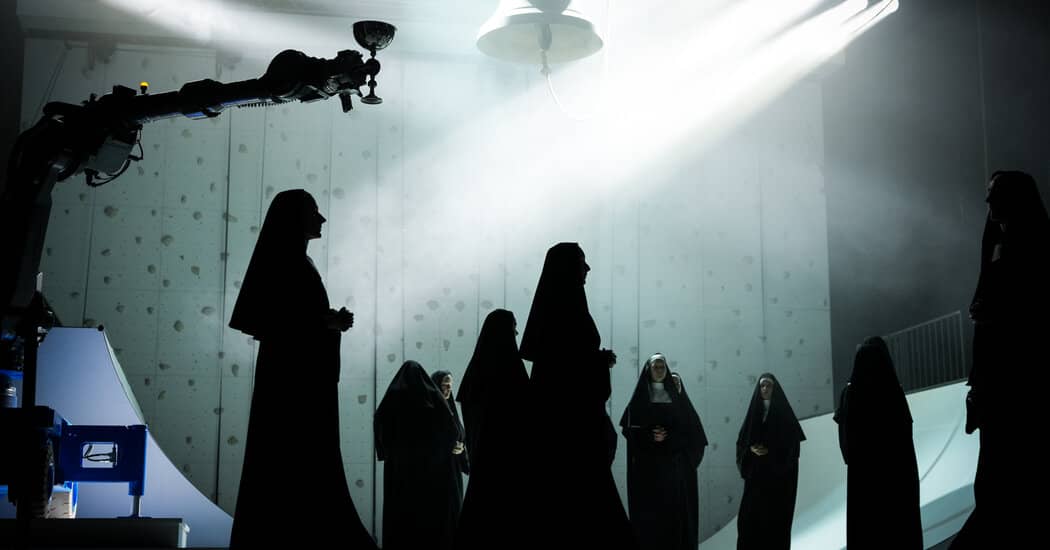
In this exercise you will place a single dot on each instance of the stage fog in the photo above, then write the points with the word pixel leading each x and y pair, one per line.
pixel 687 160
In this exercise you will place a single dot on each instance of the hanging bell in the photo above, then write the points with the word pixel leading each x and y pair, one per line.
pixel 522 31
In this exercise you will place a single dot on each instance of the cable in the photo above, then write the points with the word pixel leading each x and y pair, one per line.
pixel 546 71
pixel 944 449
pixel 54 78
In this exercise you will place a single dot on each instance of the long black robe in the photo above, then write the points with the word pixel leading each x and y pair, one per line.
pixel 662 490
pixel 291 499
pixel 875 436
pixel 415 433
pixel 573 496
pixel 1009 310
pixel 463 459
pixel 767 508
pixel 493 396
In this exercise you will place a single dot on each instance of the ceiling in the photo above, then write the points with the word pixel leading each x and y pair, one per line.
pixel 447 27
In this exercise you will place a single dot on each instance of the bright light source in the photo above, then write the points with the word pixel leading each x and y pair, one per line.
pixel 674 73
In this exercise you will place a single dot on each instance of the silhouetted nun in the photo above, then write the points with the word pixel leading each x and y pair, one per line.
pixel 443 380
pixel 767 451
pixel 1011 325
pixel 417 439
pixel 574 497
pixel 665 444
pixel 493 394
pixel 301 498
pixel 875 435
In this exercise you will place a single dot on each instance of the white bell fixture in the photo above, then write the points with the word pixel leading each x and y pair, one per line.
pixel 539 32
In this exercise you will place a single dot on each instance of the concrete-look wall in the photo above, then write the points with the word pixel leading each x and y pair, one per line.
pixel 721 265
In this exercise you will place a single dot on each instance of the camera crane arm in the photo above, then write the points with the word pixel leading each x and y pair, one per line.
pixel 97 139
pixel 98 136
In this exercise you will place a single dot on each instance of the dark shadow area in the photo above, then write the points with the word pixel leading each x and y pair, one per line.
pixel 927 106
pixel 12 48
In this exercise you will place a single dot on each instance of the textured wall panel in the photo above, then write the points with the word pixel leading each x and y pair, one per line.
pixel 441 205
pixel 233 428
pixel 126 248
pixel 66 254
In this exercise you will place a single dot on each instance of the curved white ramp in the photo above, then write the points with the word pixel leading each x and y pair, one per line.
pixel 80 378
pixel 947 460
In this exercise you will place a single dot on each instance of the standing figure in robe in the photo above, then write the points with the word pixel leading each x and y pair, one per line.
pixel 1011 324
pixel 494 394
pixel 443 380
pixel 419 443
pixel 298 499
pixel 573 498
pixel 767 451
pixel 665 444
pixel 875 436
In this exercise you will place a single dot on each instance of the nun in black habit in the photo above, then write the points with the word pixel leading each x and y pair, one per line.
pixel 419 442
pixel 300 499
pixel 875 435
pixel 443 380
pixel 767 451
pixel 493 396
pixel 1011 325
pixel 574 498
pixel 665 444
